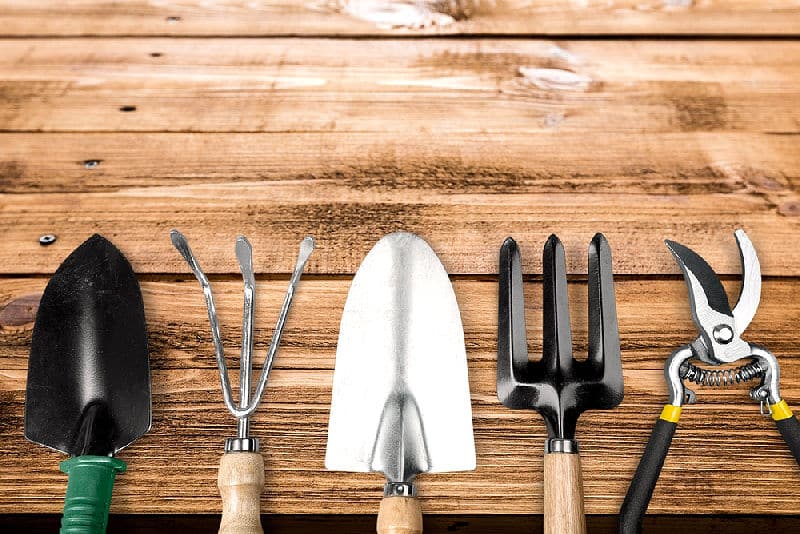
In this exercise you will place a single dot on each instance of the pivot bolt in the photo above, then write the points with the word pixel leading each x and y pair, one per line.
pixel 723 334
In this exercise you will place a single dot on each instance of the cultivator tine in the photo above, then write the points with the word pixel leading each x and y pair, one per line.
pixel 557 341
pixel 603 329
pixel 512 342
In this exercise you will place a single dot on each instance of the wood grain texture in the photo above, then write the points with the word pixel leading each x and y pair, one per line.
pixel 431 87
pixel 465 226
pixel 399 515
pixel 462 141
pixel 241 481
pixel 737 459
pixel 391 17
pixel 563 494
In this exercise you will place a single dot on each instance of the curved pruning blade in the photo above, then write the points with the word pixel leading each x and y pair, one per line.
pixel 750 293
pixel 705 290
pixel 721 341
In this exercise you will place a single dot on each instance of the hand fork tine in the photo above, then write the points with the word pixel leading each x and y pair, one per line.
pixel 557 342
pixel 604 350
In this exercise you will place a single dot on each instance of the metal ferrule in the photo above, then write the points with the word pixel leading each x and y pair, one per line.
pixel 399 489
pixel 561 446
pixel 241 445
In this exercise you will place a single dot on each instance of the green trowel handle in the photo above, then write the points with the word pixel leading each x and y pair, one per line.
pixel 91 479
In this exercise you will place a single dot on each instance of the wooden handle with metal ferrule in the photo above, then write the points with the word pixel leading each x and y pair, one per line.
pixel 400 515
pixel 240 481
pixel 563 494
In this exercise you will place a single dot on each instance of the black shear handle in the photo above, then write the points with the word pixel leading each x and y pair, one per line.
pixel 644 481
pixel 790 430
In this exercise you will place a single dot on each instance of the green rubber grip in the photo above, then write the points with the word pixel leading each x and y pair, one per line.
pixel 91 479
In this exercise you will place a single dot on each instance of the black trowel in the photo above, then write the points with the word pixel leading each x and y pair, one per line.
pixel 88 392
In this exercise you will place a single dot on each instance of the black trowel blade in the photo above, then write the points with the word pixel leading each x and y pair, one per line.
pixel 89 371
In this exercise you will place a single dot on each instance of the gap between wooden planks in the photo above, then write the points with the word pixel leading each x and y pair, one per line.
pixel 392 17
pixel 721 442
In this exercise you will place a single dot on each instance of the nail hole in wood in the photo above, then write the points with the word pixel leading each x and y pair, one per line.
pixel 173 20
pixel 127 109
pixel 91 163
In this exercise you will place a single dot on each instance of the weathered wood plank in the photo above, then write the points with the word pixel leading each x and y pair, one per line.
pixel 392 17
pixel 464 205
pixel 423 86
pixel 723 439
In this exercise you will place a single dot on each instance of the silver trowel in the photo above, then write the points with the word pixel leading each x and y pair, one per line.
pixel 401 403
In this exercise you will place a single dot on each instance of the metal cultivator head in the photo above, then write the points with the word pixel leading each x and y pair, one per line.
pixel 247 402
pixel 558 386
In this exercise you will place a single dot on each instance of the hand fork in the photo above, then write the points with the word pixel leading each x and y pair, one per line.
pixel 559 387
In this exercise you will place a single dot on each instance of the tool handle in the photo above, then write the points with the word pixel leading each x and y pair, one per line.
pixel 400 515
pixel 644 481
pixel 240 481
pixel 789 427
pixel 563 494
pixel 89 485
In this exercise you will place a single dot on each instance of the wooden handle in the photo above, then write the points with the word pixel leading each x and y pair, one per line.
pixel 399 515
pixel 240 481
pixel 563 494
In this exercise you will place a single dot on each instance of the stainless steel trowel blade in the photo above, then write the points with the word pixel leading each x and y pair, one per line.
pixel 401 401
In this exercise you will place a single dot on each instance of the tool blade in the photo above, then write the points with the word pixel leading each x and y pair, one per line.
pixel 705 288
pixel 88 389
pixel 750 293
pixel 401 401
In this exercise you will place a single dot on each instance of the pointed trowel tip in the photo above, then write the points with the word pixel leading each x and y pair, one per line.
pixel 97 241
pixel 96 260
pixel 97 248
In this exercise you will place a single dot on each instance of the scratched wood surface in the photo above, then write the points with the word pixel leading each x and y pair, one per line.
pixel 393 17
pixel 279 119
pixel 721 442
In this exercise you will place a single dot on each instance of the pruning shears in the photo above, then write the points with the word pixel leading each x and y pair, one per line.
pixel 719 343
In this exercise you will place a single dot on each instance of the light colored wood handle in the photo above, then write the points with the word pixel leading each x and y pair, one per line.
pixel 399 515
pixel 563 494
pixel 240 481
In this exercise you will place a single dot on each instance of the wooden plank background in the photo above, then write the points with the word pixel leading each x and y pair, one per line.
pixel 281 119
pixel 390 17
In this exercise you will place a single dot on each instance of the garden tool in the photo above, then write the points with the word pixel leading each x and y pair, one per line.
pixel 559 387
pixel 401 401
pixel 88 392
pixel 241 469
pixel 719 343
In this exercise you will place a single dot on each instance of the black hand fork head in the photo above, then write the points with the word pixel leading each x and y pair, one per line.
pixel 559 387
